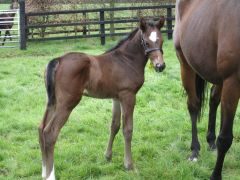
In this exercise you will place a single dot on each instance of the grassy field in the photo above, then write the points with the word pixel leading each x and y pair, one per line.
pixel 162 130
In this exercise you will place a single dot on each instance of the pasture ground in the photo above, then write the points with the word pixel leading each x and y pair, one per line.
pixel 162 130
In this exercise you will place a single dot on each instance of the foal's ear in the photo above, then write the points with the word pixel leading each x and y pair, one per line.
pixel 143 24
pixel 160 23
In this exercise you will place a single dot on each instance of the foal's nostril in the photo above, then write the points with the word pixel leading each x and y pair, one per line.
pixel 160 67
pixel 163 66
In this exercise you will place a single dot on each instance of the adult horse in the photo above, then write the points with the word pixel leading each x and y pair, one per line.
pixel 207 42
pixel 116 74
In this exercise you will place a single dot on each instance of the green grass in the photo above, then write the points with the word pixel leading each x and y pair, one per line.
pixel 162 130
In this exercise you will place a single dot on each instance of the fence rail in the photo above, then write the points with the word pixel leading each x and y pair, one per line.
pixel 102 21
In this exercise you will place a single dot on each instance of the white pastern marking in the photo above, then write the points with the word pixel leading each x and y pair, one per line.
pixel 44 171
pixel 193 160
pixel 153 36
pixel 52 175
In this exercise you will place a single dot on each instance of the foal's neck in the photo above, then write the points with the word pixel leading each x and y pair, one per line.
pixel 134 51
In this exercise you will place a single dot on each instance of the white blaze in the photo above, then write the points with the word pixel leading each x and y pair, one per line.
pixel 153 36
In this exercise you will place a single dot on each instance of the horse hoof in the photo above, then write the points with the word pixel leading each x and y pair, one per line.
pixel 108 157
pixel 194 156
pixel 215 177
pixel 128 167
pixel 193 159
pixel 212 147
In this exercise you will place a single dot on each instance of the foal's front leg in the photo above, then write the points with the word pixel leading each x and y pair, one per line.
pixel 116 117
pixel 127 102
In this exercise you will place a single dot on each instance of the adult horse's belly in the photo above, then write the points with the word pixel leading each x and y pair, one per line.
pixel 203 61
pixel 199 45
pixel 210 39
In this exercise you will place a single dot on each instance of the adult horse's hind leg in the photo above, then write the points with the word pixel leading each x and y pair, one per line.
pixel 229 102
pixel 5 37
pixel 116 117
pixel 213 105
pixel 10 36
pixel 127 100
pixel 189 83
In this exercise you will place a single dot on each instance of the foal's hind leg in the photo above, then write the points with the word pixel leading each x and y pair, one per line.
pixel 50 128
pixel 116 117
pixel 213 105
pixel 48 114
pixel 188 79
pixel 50 134
pixel 229 102
pixel 68 96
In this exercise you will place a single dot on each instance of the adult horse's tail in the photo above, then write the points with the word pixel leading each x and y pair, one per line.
pixel 50 81
pixel 200 85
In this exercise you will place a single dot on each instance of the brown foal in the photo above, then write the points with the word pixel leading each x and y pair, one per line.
pixel 207 52
pixel 116 74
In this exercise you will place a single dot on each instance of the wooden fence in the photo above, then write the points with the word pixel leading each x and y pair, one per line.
pixel 101 22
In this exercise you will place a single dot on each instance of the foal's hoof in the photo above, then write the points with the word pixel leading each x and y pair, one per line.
pixel 128 167
pixel 108 157
pixel 193 157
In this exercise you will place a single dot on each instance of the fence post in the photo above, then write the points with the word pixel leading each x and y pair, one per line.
pixel 22 24
pixel 84 26
pixel 169 23
pixel 102 27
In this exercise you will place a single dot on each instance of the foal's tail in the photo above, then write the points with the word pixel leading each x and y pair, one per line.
pixel 200 85
pixel 50 81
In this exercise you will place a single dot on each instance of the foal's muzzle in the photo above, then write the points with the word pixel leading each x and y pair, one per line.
pixel 159 67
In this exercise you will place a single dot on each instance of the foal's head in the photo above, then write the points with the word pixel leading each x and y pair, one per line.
pixel 152 42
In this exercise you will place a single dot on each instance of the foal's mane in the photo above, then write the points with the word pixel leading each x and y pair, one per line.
pixel 150 23
pixel 122 41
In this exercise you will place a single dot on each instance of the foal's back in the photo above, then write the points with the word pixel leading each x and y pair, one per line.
pixel 102 76
pixel 208 31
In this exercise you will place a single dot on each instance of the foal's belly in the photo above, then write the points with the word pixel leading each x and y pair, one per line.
pixel 99 93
